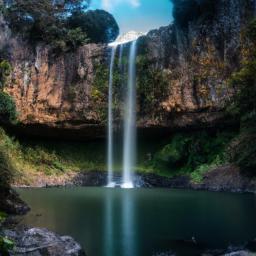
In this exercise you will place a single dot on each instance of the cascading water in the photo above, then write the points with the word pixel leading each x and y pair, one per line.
pixel 129 147
pixel 130 122
pixel 110 119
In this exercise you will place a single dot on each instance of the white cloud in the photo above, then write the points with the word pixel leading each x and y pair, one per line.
pixel 135 3
pixel 109 5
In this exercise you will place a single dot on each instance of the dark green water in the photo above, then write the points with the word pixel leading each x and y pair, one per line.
pixel 115 222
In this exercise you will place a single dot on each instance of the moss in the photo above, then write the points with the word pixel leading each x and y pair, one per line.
pixel 99 91
pixel 152 88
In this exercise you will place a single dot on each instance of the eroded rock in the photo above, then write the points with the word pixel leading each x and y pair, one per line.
pixel 40 242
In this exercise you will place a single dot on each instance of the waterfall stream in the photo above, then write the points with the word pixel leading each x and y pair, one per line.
pixel 110 119
pixel 129 139
pixel 129 150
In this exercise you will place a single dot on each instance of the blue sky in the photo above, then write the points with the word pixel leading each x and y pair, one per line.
pixel 138 15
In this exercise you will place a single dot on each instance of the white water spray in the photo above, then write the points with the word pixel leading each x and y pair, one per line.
pixel 130 122
pixel 110 119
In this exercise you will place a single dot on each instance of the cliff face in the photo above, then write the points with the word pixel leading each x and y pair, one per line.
pixel 199 53
pixel 196 54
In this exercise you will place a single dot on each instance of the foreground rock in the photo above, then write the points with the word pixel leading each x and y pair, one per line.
pixel 37 242
pixel 192 247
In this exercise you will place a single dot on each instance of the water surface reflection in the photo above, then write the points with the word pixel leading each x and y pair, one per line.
pixel 135 222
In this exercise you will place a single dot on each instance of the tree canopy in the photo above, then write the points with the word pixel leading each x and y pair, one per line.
pixel 65 24
pixel 100 26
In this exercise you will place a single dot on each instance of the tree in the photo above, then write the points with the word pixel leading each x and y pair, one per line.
pixel 64 24
pixel 45 20
pixel 100 26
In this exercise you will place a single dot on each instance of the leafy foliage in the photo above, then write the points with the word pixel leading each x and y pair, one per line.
pixel 243 150
pixel 100 26
pixel 6 168
pixel 8 112
pixel 5 245
pixel 152 87
pixel 63 24
pixel 193 153
pixel 5 70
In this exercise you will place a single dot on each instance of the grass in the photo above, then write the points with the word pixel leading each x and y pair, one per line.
pixel 181 154
pixel 30 158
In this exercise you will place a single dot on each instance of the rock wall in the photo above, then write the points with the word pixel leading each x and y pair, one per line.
pixel 196 55
pixel 53 89
pixel 199 53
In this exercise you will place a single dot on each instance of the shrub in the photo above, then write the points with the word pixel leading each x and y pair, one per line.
pixel 5 70
pixel 189 152
pixel 152 88
pixel 8 112
pixel 6 245
pixel 6 168
pixel 242 150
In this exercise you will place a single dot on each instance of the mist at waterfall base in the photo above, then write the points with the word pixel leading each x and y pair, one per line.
pixel 129 135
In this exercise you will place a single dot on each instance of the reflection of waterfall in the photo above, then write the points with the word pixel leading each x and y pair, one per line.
pixel 109 228
pixel 130 121
pixel 110 119
pixel 128 215
pixel 119 232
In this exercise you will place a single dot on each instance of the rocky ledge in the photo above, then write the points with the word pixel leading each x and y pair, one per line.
pixel 39 242
pixel 228 178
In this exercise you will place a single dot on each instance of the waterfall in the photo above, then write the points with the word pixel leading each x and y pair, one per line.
pixel 129 140
pixel 110 119
pixel 120 56
pixel 129 150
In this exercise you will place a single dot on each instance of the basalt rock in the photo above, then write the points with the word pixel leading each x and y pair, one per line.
pixel 39 242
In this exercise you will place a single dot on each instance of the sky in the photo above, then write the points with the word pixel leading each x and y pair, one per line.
pixel 138 15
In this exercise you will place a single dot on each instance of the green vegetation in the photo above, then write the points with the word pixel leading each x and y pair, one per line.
pixel 99 25
pixel 30 159
pixel 65 25
pixel 192 154
pixel 5 243
pixel 8 112
pixel 5 70
pixel 152 87
pixel 6 168
pixel 242 150
pixel 100 90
